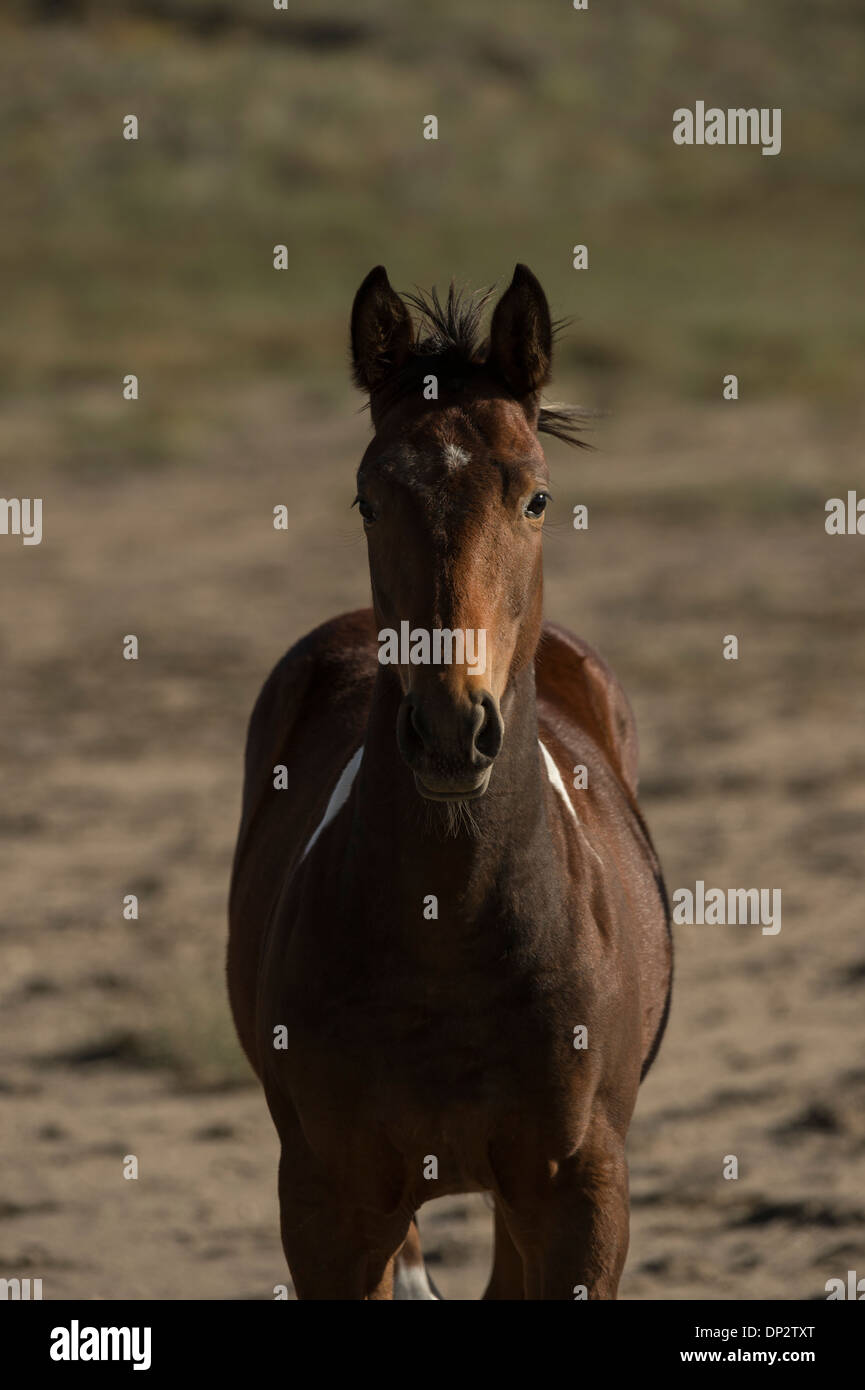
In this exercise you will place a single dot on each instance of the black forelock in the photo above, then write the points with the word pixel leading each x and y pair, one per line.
pixel 450 344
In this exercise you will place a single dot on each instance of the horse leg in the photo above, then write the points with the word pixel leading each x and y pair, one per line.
pixel 411 1280
pixel 507 1277
pixel 575 1236
pixel 335 1250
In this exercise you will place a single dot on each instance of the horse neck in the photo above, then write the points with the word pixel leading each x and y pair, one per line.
pixel 409 843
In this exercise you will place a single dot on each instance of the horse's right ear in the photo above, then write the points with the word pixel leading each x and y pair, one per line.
pixel 381 331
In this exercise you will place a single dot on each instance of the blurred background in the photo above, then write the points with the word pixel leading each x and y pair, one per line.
pixel 155 257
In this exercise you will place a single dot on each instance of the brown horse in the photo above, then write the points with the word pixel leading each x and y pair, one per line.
pixel 449 957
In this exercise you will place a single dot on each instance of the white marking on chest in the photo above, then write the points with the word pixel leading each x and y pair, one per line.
pixel 340 794
pixel 338 798
pixel 556 779
pixel 558 785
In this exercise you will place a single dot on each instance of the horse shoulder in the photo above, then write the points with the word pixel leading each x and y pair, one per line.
pixel 578 693
pixel 309 719
pixel 325 677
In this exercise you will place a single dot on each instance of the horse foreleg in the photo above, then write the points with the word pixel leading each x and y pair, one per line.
pixel 507 1279
pixel 335 1251
pixel 574 1238
pixel 411 1280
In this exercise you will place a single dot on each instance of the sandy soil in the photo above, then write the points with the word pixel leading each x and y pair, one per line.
pixel 124 777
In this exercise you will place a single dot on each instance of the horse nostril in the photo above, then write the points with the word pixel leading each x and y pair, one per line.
pixel 416 721
pixel 445 735
pixel 410 730
pixel 490 731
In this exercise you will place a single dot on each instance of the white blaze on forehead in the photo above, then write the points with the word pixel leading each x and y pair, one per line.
pixel 455 457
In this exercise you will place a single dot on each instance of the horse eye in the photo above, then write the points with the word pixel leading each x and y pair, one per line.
pixel 365 509
pixel 538 504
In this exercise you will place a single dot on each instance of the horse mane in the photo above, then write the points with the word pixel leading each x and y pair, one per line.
pixel 450 334
pixel 454 326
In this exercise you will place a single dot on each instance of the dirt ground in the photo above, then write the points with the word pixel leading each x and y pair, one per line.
pixel 124 777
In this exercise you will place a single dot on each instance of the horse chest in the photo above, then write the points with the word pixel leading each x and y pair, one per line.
pixel 442 1055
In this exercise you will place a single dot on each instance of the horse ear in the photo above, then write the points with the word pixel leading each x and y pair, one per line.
pixel 381 331
pixel 521 336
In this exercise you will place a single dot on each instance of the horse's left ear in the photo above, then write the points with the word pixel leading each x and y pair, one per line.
pixel 521 337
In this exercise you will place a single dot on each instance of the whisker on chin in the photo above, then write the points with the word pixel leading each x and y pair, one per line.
pixel 447 818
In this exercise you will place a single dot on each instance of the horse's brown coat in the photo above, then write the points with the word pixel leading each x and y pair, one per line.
pixel 410 1038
